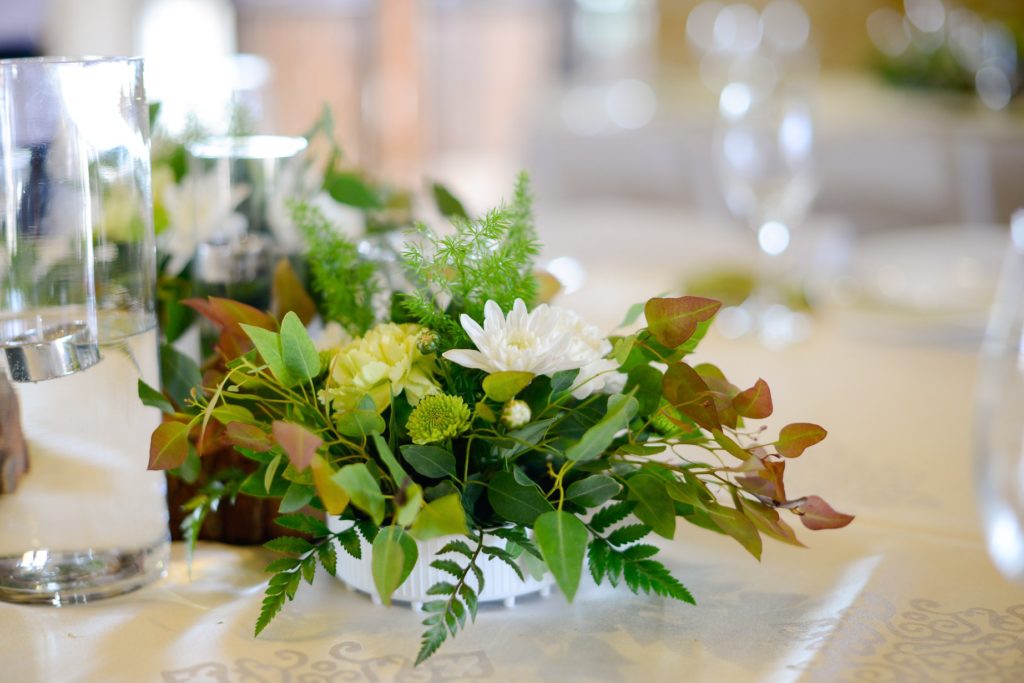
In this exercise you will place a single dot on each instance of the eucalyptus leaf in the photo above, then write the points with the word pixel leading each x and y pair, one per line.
pixel 298 352
pixel 433 462
pixel 410 509
pixel 397 472
pixel 179 374
pixel 595 440
pixel 360 422
pixel 515 502
pixel 503 386
pixel 593 490
pixel 153 398
pixel 525 438
pixel 295 498
pixel 562 539
pixel 442 517
pixel 653 505
pixel 268 344
pixel 362 489
pixel 394 556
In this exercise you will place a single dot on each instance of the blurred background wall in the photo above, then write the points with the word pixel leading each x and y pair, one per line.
pixel 595 97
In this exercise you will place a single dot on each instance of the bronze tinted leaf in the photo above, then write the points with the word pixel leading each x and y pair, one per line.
pixel 248 436
pixel 298 442
pixel 795 438
pixel 755 402
pixel 168 446
pixel 288 294
pixel 816 514
pixel 685 390
pixel 673 321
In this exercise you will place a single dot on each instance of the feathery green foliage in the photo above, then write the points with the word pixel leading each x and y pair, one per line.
pixel 490 258
pixel 345 283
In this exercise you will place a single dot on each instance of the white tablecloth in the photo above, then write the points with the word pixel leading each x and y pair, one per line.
pixel 905 594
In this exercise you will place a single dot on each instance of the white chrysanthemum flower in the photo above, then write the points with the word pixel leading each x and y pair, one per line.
pixel 197 212
pixel 544 341
pixel 535 342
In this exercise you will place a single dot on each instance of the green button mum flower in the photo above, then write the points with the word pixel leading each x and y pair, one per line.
pixel 437 417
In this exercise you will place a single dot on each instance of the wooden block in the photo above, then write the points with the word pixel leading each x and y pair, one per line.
pixel 13 451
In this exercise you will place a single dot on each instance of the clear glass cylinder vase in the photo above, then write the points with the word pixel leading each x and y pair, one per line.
pixel 78 330
pixel 999 416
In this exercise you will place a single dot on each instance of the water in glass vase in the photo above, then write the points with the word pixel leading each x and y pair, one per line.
pixel 87 520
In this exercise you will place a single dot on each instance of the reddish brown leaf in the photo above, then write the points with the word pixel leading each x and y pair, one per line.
pixel 816 514
pixel 685 390
pixel 211 439
pixel 168 446
pixel 248 436
pixel 767 482
pixel 298 443
pixel 228 316
pixel 723 392
pixel 673 321
pixel 755 402
pixel 288 294
pixel 767 521
pixel 795 438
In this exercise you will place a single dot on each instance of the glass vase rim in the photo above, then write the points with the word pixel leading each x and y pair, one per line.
pixel 84 60
pixel 249 146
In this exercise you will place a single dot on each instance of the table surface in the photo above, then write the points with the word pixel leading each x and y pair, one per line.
pixel 906 593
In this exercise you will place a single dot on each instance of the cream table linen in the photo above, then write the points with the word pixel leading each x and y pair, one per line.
pixel 905 594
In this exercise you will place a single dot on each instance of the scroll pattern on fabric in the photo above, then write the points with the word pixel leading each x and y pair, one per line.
pixel 345 662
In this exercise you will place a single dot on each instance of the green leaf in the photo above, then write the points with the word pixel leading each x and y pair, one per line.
pixel 595 440
pixel 298 442
pixel 433 462
pixel 397 473
pixel 271 472
pixel 562 539
pixel 442 517
pixel 447 203
pixel 653 505
pixel 153 398
pixel 300 356
pixel 597 559
pixel 562 382
pixel 407 512
pixel 328 558
pixel 226 414
pixel 296 497
pixel 503 386
pixel 645 382
pixel 632 315
pixel 737 525
pixel 526 437
pixel 593 490
pixel 394 556
pixel 362 489
pixel 168 446
pixel 179 374
pixel 795 438
pixel 514 502
pixel 350 189
pixel 360 422
pixel 268 344
pixel 755 402
pixel 673 321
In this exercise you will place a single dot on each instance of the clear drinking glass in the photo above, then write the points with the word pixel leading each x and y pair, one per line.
pixel 999 416
pixel 763 150
pixel 240 187
pixel 78 330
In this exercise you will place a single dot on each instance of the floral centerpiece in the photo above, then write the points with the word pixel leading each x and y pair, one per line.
pixel 472 412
